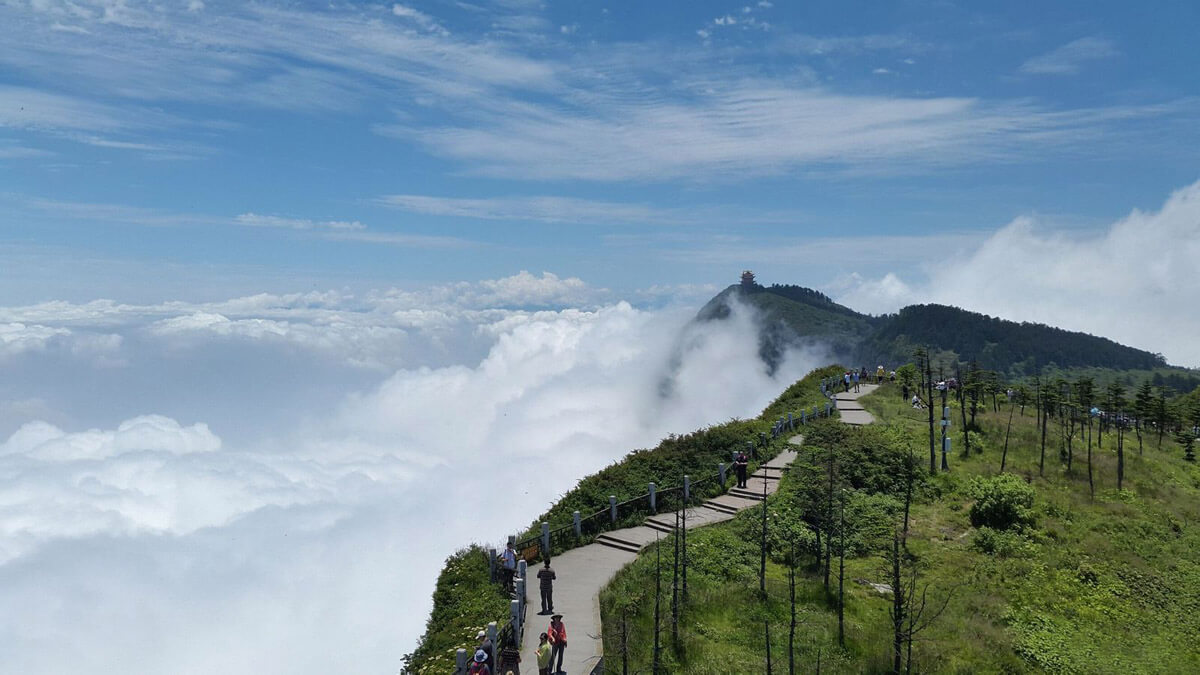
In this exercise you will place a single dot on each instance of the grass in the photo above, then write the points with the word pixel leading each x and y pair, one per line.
pixel 464 600
pixel 1109 583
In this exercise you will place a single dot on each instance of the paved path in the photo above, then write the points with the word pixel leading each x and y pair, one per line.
pixel 582 572
pixel 850 409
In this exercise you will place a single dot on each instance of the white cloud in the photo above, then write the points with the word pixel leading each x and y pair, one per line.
pixel 1071 57
pixel 418 17
pixel 316 549
pixel 256 220
pixel 1134 282
pixel 755 127
pixel 17 338
pixel 549 209
pixel 881 71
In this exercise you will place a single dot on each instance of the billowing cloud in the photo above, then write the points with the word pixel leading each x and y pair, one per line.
pixel 1134 281
pixel 311 544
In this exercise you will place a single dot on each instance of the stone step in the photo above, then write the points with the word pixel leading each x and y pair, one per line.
pixel 660 525
pixel 620 544
pixel 719 507
pixel 746 494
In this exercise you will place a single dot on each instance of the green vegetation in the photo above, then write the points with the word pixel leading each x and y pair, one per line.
pixel 1039 569
pixel 696 454
pixel 794 315
pixel 464 602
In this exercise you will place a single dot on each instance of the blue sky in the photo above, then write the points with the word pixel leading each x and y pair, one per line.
pixel 185 149
pixel 256 258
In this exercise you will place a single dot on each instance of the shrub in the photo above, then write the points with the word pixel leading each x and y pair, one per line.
pixel 1001 503
pixel 1001 543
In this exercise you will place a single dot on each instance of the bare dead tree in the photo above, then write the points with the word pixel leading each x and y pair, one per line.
pixel 675 586
pixel 1004 455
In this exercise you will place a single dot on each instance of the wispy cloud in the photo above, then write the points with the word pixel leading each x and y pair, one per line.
pixel 1071 57
pixel 334 230
pixel 256 220
pixel 754 127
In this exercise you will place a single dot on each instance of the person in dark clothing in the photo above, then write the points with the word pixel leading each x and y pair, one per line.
pixel 485 646
pixel 546 579
pixel 740 465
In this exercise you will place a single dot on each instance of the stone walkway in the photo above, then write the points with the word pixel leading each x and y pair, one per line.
pixel 850 409
pixel 582 572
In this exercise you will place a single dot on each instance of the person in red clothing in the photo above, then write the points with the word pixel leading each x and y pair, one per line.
pixel 558 642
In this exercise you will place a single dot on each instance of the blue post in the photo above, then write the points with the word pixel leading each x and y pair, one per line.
pixel 578 527
pixel 687 488
pixel 612 507
pixel 546 539
pixel 653 499
pixel 721 472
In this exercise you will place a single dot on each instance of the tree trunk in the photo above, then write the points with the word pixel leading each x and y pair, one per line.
pixel 842 573
pixel 1045 421
pixel 1091 483
pixel 1120 456
pixel 897 610
pixel 792 599
pixel 1007 431
pixel 929 400
pixel 767 634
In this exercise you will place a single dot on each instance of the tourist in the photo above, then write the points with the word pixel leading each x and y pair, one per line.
pixel 546 579
pixel 558 641
pixel 543 654
pixel 508 561
pixel 479 665
pixel 856 381
pixel 892 376
pixel 485 647
pixel 916 402
pixel 846 379
pixel 879 374
pixel 740 465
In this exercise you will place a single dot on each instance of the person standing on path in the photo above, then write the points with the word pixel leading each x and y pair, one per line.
pixel 856 381
pixel 543 654
pixel 508 561
pixel 740 464
pixel 546 579
pixel 558 641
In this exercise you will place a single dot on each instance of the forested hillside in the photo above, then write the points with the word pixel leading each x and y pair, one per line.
pixel 793 315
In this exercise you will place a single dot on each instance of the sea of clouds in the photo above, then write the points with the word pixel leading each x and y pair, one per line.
pixel 271 483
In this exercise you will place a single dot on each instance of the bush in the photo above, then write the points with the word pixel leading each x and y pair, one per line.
pixel 1001 543
pixel 1001 503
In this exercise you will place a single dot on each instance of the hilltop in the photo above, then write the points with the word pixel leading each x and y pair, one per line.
pixel 797 316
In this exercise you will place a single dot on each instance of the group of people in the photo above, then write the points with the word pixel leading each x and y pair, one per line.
pixel 855 378
pixel 552 643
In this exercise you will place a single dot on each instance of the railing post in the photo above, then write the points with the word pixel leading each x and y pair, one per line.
pixel 546 541
pixel 721 472
pixel 653 498
pixel 753 454
pixel 460 662
pixel 520 585
pixel 492 564
pixel 578 527
pixel 515 608
pixel 493 636
pixel 523 572
pixel 612 507
pixel 687 489
pixel 828 409
pixel 791 424
pixel 803 417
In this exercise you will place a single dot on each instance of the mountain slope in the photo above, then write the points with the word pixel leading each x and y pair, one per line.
pixel 792 315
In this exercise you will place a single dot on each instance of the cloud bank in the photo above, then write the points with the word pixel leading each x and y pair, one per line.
pixel 1134 281
pixel 163 544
